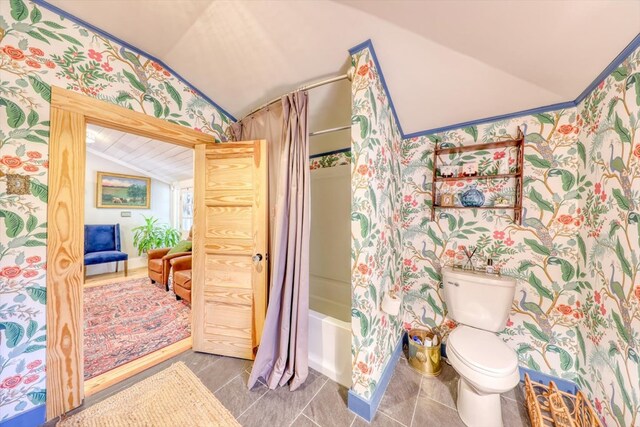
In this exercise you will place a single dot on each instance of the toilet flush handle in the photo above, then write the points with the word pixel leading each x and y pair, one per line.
pixel 454 283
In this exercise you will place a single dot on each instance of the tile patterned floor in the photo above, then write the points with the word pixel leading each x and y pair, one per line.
pixel 410 400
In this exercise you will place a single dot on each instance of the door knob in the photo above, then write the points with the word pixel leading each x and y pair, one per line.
pixel 257 258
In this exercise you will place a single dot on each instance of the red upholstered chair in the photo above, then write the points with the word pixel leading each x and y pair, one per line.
pixel 182 277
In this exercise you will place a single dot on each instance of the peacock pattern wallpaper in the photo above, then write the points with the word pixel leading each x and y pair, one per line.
pixel 610 354
pixel 376 237
pixel 577 309
pixel 543 253
pixel 38 49
pixel 330 160
pixel 576 313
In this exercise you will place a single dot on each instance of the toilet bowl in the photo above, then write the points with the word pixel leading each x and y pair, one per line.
pixel 480 303
pixel 487 368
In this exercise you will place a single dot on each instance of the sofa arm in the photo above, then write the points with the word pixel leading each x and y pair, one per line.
pixel 169 257
pixel 157 253
pixel 181 263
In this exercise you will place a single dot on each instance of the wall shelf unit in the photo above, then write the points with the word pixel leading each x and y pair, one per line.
pixel 518 142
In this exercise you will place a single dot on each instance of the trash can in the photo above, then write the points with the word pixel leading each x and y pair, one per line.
pixel 424 352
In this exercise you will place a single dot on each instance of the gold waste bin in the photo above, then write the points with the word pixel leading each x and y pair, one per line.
pixel 425 358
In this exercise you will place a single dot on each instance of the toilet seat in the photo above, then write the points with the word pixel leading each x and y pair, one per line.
pixel 482 351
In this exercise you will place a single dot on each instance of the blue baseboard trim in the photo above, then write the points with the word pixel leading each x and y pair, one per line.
pixel 132 48
pixel 31 418
pixel 617 61
pixel 366 408
pixel 542 378
pixel 537 376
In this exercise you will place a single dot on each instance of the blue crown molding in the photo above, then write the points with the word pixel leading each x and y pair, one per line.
pixel 327 153
pixel 617 61
pixel 369 44
pixel 538 110
pixel 95 29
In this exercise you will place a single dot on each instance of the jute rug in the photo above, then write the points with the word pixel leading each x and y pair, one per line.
pixel 172 397
pixel 127 319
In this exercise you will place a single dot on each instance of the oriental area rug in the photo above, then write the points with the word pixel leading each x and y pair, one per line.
pixel 126 320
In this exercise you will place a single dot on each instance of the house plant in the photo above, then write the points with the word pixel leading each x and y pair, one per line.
pixel 152 235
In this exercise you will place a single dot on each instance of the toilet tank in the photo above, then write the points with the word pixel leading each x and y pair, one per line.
pixel 478 299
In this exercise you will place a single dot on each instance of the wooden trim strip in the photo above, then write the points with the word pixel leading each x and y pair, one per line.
pixel 121 373
pixel 476 147
pixel 199 237
pixel 70 113
pixel 65 262
pixel 116 117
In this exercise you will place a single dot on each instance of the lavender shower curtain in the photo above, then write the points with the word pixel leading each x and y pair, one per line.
pixel 265 124
pixel 283 353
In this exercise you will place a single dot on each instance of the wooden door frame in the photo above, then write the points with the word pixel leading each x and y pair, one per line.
pixel 70 114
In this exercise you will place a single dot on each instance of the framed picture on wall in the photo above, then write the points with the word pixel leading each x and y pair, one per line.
pixel 120 191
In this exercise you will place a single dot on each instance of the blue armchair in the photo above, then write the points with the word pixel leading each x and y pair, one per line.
pixel 102 244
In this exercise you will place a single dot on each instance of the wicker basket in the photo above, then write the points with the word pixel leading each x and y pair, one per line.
pixel 548 406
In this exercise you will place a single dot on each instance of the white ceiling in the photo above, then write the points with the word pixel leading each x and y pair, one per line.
pixel 160 160
pixel 445 62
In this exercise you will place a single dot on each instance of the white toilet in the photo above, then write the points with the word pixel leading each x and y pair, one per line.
pixel 480 303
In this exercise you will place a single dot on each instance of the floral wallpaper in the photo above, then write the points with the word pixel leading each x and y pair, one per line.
pixel 609 357
pixel 330 160
pixel 543 253
pixel 376 249
pixel 577 309
pixel 39 49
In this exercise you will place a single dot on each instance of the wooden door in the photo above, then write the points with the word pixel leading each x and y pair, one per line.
pixel 230 241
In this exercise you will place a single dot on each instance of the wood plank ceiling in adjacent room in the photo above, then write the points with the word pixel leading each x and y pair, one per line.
pixel 160 160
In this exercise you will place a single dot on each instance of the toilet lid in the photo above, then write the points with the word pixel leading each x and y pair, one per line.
pixel 482 351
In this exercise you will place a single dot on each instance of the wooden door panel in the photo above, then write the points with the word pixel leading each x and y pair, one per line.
pixel 231 173
pixel 231 246
pixel 230 222
pixel 228 346
pixel 230 227
pixel 228 271
pixel 227 295
pixel 230 197
pixel 233 320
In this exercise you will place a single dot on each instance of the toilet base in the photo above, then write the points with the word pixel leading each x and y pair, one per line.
pixel 478 410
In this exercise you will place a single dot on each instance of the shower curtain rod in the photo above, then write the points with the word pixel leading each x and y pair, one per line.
pixel 349 76
pixel 321 132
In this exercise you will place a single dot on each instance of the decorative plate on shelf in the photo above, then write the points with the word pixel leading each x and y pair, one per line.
pixel 472 198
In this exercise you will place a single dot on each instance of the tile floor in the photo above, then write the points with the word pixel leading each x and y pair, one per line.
pixel 410 400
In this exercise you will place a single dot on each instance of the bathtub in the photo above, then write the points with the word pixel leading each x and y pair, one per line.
pixel 330 347
pixel 330 274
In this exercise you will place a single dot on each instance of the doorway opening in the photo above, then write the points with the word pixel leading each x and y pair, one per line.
pixel 138 213
pixel 70 115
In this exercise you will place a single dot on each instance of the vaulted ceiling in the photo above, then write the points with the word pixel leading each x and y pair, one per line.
pixel 445 62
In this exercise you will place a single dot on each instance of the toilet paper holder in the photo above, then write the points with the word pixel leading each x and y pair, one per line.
pixel 391 303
